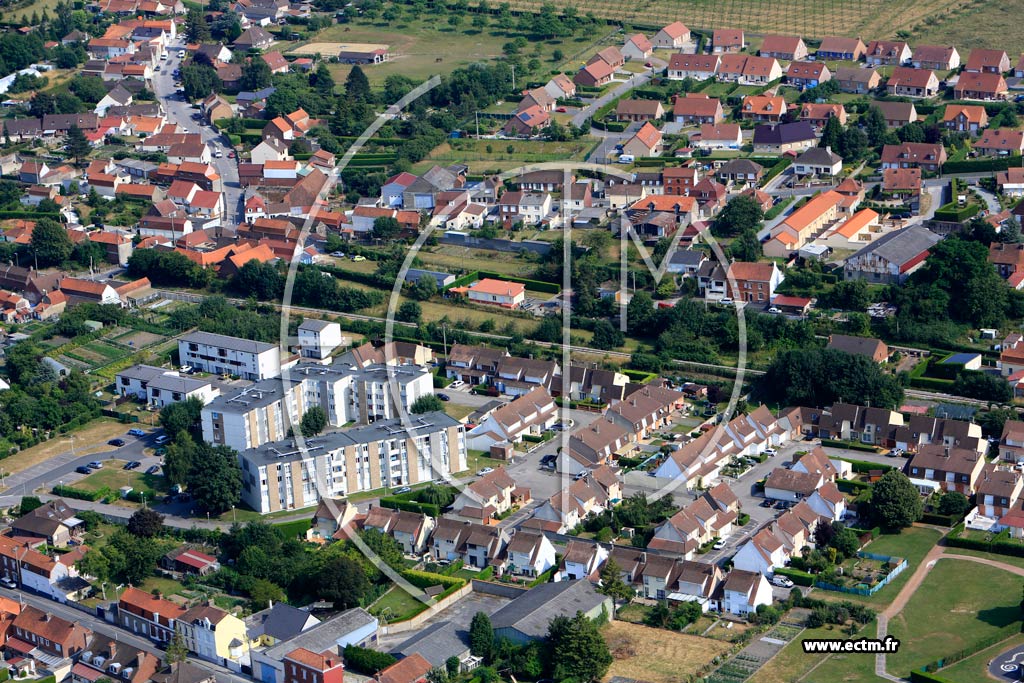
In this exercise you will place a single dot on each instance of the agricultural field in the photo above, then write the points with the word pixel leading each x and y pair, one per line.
pixel 487 156
pixel 657 655
pixel 865 18
pixel 977 24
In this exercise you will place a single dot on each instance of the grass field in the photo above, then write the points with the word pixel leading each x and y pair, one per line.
pixel 974 667
pixel 91 439
pixel 978 24
pixel 958 604
pixel 422 46
pixel 395 603
pixel 113 477
pixel 657 655
pixel 845 668
pixel 913 544
pixel 475 152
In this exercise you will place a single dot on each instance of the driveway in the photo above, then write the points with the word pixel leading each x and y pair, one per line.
pixel 178 110
pixel 635 81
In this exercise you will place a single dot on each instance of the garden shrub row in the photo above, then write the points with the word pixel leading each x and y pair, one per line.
pixel 932 383
pixel 863 466
pixel 395 503
pixel 981 165
pixel 953 213
pixel 851 445
pixel 939 520
pixel 639 376
pixel 366 661
pixel 79 494
pixel 850 486
pixel 800 578
pixel 1000 543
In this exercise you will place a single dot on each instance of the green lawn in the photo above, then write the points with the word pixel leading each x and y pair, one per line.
pixel 792 662
pixel 958 604
pixel 913 544
pixel 113 477
pixel 974 667
pixel 396 604
pixel 848 668
pixel 477 460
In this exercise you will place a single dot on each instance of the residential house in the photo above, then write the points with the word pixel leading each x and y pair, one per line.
pixel 952 468
pixel 530 554
pixel 803 224
pixel 857 81
pixel 698 582
pixel 410 529
pixel 980 86
pixel 672 37
pixel 147 615
pixel 213 634
pixel 789 48
pixel 594 75
pixel 805 75
pixel 639 110
pixel 784 137
pixel 305 666
pixel 902 183
pixel 719 136
pixel 996 142
pixel 109 658
pixel 561 86
pixel 998 490
pixel 923 155
pixel 728 40
pixel 819 114
pixel 829 502
pixel 1011 441
pixel 568 507
pixel 495 493
pixel 987 61
pixel 528 208
pixel 698 67
pixel 908 82
pixel 841 48
pixel 48 639
pixel 646 142
pixel 411 669
pixel 740 171
pixel 637 46
pixel 818 161
pixel 937 57
pixel 763 108
pixel 531 413
pixel 1011 182
pixel 54 521
pixel 875 349
pixel 476 545
pixel 888 53
pixel 897 114
pixel 581 560
pixel 593 445
pixel 254 38
pixel 965 118
pixel 610 55
pixel 743 592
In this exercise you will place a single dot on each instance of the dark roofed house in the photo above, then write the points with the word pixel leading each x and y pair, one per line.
pixel 54 521
pixel 527 617
pixel 740 171
pixel 254 37
pixel 639 110
pixel 875 349
pixel 897 114
pixel 784 137
pixel 893 257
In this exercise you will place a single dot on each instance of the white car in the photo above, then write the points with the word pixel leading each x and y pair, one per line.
pixel 725 301
pixel 486 470
pixel 768 451
pixel 719 544
pixel 181 54
pixel 217 154
pixel 457 384
pixel 775 309
pixel 781 581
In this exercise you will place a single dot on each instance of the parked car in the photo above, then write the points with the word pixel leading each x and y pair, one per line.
pixel 725 301
pixel 358 258
pixel 231 155
pixel 82 469
pixel 162 439
pixel 895 453
pixel 153 469
pixel 769 451
pixel 136 432
pixel 8 582
pixel 774 309
pixel 160 452
pixel 95 465
pixel 444 397
pixel 337 254
pixel 116 442
pixel 719 544
pixel 181 54
pixel 766 503
pixel 486 470
pixel 457 384
pixel 781 581
pixel 131 465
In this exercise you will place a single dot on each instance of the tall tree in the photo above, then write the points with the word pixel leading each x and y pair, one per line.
pixel 739 215
pixel 612 583
pixel 179 458
pixel 426 404
pixel 182 416
pixel 873 123
pixel 830 134
pixel 895 502
pixel 746 247
pixel 343 581
pixel 576 649
pixel 322 80
pixel 313 421
pixel 386 227
pixel 215 479
pixel 256 74
pixel 481 636
pixel 357 85
pixel 145 523
pixel 196 28
pixel 49 244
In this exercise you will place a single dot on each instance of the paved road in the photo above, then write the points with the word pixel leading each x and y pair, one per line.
pixel 635 81
pixel 180 111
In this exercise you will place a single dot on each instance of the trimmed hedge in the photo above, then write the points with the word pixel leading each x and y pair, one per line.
pixel 997 545
pixel 78 494
pixel 875 532
pixel 366 661
pixel 938 520
pixel 981 165
pixel 953 213
pixel 863 466
pixel 800 578
pixel 395 503
pixel 639 376
pixel 422 579
pixel 850 486
pixel 851 445
pixel 932 383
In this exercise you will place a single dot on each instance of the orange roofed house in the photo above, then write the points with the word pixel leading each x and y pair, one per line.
pixel 147 615
pixel 754 281
pixel 965 118
pixel 305 666
pixel 803 224
pixel 495 292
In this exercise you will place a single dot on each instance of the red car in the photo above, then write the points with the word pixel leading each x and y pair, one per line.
pixel 561 110
pixel 648 64
pixel 231 155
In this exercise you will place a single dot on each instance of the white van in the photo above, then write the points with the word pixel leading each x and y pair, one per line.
pixel 626 158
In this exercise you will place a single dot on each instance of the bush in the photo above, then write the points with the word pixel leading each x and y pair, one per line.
pixel 798 577
pixel 852 445
pixel 366 661
pixel 863 466
pixel 938 520
pixel 79 494
pixel 854 487
pixel 396 503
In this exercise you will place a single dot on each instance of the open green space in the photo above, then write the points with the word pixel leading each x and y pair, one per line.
pixel 958 605
pixel 975 667
pixel 396 604
pixel 912 544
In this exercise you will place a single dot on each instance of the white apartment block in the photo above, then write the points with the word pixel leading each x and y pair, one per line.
pixel 253 416
pixel 283 476
pixel 220 354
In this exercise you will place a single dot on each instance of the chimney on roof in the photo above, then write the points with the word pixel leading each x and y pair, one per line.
pixel 112 649
pixel 946 451
pixel 47 616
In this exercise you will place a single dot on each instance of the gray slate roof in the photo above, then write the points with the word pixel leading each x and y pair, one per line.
pixel 281 622
pixel 783 133
pixel 437 643
pixel 532 611
pixel 819 156
pixel 901 246
pixel 325 635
